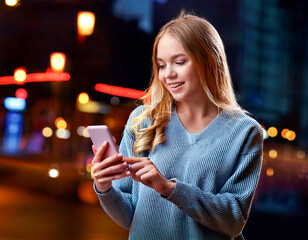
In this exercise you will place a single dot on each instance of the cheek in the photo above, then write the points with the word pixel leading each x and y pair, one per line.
pixel 193 75
pixel 161 78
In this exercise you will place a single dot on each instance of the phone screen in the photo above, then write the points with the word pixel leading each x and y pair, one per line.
pixel 99 134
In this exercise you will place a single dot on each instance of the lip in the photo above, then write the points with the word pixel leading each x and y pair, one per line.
pixel 175 85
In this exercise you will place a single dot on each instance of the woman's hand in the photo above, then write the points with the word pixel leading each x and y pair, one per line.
pixel 143 170
pixel 108 169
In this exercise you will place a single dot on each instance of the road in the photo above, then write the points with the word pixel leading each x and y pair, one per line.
pixel 26 214
pixel 35 206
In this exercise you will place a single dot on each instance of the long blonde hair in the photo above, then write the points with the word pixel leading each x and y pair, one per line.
pixel 204 46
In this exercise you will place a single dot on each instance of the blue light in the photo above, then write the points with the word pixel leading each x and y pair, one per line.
pixel 14 104
pixel 13 132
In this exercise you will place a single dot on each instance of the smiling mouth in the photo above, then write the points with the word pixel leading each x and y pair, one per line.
pixel 176 85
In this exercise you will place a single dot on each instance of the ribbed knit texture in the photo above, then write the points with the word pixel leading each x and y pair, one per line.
pixel 216 173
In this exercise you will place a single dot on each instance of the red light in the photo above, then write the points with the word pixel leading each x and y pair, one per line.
pixel 37 77
pixel 21 93
pixel 119 91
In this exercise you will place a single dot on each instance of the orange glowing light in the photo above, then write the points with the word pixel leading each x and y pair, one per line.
pixel 60 123
pixel 20 75
pixel 86 194
pixel 273 153
pixel 290 135
pixel 11 3
pixel 284 132
pixel 85 23
pixel 57 61
pixel 119 91
pixel 272 132
pixel 37 77
pixel 270 172
pixel 21 93
pixel 83 98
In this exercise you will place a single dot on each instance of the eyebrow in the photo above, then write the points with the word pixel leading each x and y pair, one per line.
pixel 173 57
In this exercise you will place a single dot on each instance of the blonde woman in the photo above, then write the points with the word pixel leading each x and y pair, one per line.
pixel 190 157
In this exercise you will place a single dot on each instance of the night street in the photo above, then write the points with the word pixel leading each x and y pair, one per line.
pixel 31 215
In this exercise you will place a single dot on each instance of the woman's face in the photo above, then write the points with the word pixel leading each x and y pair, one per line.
pixel 177 72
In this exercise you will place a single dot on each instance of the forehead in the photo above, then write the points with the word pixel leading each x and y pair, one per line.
pixel 169 46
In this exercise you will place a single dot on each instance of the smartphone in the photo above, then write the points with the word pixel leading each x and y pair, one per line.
pixel 99 134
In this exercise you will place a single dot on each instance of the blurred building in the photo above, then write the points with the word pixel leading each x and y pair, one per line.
pixel 274 60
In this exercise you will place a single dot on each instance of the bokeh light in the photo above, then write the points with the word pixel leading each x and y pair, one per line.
pixel 273 153
pixel 272 132
pixel 80 130
pixel 47 132
pixel 291 135
pixel 83 98
pixel 63 133
pixel 11 3
pixel 14 104
pixel 284 132
pixel 270 172
pixel 53 173
pixel 85 23
pixel 88 167
pixel 86 133
pixel 21 93
pixel 60 123
pixel 301 154
pixel 20 75
pixel 57 61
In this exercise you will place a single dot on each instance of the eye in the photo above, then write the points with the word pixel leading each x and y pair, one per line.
pixel 180 62
pixel 161 66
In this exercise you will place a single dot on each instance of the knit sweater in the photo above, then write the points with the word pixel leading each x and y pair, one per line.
pixel 216 173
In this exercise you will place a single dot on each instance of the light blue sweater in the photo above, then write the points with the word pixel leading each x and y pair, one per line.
pixel 216 173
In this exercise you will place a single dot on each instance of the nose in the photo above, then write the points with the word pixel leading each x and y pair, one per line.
pixel 170 72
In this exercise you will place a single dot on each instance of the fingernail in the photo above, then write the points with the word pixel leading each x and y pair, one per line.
pixel 124 164
pixel 127 173
pixel 120 155
pixel 105 143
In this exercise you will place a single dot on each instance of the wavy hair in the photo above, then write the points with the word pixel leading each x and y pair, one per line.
pixel 205 48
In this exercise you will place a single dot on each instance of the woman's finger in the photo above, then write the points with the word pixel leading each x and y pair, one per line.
pixel 107 162
pixel 94 149
pixel 137 166
pixel 133 160
pixel 100 152
pixel 110 170
pixel 141 171
pixel 114 177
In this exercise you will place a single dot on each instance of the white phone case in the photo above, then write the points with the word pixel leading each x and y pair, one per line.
pixel 99 134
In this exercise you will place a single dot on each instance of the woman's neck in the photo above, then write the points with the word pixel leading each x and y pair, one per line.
pixel 196 117
pixel 198 110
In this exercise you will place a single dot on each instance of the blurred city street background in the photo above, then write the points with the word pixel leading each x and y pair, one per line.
pixel 67 64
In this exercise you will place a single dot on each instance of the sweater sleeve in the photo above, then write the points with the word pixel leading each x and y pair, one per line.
pixel 119 202
pixel 228 210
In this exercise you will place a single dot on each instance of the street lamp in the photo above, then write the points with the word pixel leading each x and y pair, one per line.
pixel 85 23
pixel 20 75
pixel 57 61
pixel 11 3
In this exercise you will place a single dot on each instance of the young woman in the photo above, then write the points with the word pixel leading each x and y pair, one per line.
pixel 190 157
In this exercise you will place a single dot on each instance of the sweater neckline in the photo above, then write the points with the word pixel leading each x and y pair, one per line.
pixel 195 136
